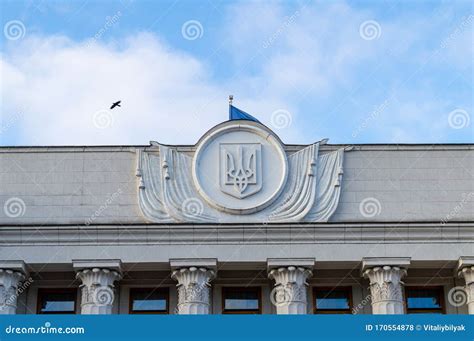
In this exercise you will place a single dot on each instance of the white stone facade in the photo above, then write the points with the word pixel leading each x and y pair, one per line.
pixel 398 216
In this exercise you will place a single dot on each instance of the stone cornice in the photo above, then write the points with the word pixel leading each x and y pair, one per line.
pixel 191 148
pixel 238 234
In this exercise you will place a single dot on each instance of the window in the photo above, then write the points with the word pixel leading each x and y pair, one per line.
pixel 149 301
pixel 241 300
pixel 336 300
pixel 57 301
pixel 424 300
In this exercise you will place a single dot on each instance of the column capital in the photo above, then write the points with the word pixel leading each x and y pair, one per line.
pixel 386 286
pixel 11 274
pixel 373 262
pixel 15 265
pixel 193 289
pixel 290 292
pixel 207 263
pixel 97 288
pixel 307 263
pixel 111 264
pixel 465 269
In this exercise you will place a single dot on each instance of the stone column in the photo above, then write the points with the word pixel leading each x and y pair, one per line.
pixel 386 286
pixel 97 288
pixel 194 288
pixel 465 270
pixel 11 274
pixel 289 294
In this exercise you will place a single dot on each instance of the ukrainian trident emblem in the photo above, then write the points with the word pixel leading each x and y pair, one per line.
pixel 240 169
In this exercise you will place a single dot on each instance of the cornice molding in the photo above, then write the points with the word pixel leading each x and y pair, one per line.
pixel 238 234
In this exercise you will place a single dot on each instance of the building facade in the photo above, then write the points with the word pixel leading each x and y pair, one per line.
pixel 238 223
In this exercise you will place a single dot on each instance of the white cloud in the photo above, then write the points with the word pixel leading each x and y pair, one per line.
pixel 291 59
pixel 59 85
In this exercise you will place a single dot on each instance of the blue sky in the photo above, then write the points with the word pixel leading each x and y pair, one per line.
pixel 354 72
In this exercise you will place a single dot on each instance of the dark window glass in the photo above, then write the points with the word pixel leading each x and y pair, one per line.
pixel 57 301
pixel 148 300
pixel 243 300
pixel 332 300
pixel 424 300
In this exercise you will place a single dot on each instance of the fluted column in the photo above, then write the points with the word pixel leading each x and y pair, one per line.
pixel 9 282
pixel 386 286
pixel 466 271
pixel 97 288
pixel 290 292
pixel 193 289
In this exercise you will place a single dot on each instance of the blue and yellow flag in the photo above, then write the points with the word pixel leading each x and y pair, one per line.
pixel 237 114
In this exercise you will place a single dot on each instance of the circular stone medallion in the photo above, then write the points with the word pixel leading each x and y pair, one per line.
pixel 240 167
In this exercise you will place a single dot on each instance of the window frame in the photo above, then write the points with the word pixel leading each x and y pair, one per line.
pixel 317 311
pixel 258 290
pixel 440 288
pixel 42 291
pixel 166 291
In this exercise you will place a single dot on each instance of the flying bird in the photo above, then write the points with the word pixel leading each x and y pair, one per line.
pixel 116 104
